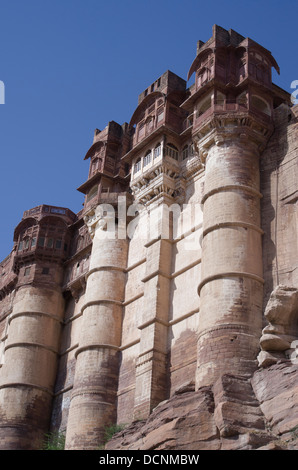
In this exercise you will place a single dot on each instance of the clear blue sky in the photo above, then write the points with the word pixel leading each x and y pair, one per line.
pixel 70 66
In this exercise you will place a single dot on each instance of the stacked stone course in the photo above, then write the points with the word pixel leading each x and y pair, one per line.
pixel 156 292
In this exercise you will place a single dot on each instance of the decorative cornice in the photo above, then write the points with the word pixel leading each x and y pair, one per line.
pixel 160 182
pixel 248 129
pixel 232 187
pixel 229 274
pixel 235 223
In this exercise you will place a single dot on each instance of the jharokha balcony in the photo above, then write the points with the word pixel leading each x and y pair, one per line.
pixel 255 107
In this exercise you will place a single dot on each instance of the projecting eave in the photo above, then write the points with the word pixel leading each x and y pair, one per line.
pixel 24 222
pixel 195 63
pixel 252 45
pixel 144 103
pixel 247 44
pixel 94 147
pixel 84 188
pixel 89 183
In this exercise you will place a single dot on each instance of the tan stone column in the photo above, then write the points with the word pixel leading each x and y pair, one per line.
pixel 29 370
pixel 94 397
pixel 152 363
pixel 231 288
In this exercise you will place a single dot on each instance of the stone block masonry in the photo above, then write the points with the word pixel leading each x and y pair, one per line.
pixel 168 301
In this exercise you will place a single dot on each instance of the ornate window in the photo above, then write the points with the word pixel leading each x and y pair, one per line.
pixel 137 166
pixel 203 76
pixel 150 123
pixel 95 166
pixel 141 129
pixel 92 193
pixel 160 114
pixel 220 98
pixel 41 241
pixel 185 152
pixel 157 150
pixel 172 151
pixel 260 104
pixel 204 106
pixel 188 151
pixel 27 271
pixel 147 158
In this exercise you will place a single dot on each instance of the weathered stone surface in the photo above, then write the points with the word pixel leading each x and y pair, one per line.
pixel 276 388
pixel 237 413
pixel 280 333
pixel 247 441
pixel 183 422
pixel 139 316
pixel 236 408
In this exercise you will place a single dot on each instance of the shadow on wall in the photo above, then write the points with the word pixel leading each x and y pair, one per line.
pixel 270 164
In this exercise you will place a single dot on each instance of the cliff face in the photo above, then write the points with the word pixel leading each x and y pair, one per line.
pixel 237 413
pixel 252 411
pixel 256 411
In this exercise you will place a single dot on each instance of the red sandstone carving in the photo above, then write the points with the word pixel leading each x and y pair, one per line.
pixel 102 320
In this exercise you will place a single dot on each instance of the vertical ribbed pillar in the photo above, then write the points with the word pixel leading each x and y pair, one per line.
pixel 94 399
pixel 152 363
pixel 231 287
pixel 29 370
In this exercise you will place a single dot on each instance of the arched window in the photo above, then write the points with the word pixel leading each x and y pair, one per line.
pixel 147 158
pixel 141 129
pixel 203 76
pixel 260 104
pixel 185 152
pixel 149 123
pixel 242 99
pixel 204 106
pixel 160 114
pixel 188 151
pixel 92 193
pixel 220 98
pixel 157 150
pixel 137 166
pixel 95 166
pixel 172 151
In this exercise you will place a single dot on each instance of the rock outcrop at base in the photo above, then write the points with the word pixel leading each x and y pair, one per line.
pixel 279 337
pixel 237 413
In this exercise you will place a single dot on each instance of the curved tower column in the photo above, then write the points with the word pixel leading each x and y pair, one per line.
pixel 232 105
pixel 94 397
pixel 231 288
pixel 29 371
pixel 28 374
